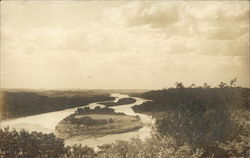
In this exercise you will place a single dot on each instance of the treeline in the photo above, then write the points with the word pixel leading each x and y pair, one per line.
pixel 20 104
pixel 195 99
pixel 203 117
pixel 88 121
pixel 120 102
pixel 96 110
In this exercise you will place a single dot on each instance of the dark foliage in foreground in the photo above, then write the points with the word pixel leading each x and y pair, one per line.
pixel 201 117
pixel 23 144
pixel 14 144
pixel 155 147
pixel 19 104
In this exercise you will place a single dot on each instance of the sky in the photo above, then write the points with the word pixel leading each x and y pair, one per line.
pixel 123 45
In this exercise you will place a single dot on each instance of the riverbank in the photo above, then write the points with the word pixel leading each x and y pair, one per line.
pixel 47 122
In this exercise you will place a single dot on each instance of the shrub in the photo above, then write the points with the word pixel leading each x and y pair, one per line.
pixel 14 144
pixel 154 147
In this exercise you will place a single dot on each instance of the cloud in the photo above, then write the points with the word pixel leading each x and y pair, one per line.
pixel 222 33
pixel 223 48
pixel 137 44
pixel 219 20
pixel 77 40
pixel 157 15
pixel 179 45
pixel 215 28
pixel 94 39
pixel 153 14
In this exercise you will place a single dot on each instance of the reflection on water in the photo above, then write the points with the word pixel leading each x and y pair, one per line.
pixel 47 122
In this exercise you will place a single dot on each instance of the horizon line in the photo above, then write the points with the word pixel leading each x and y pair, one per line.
pixel 76 89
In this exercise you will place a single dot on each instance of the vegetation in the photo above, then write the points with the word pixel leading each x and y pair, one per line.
pixel 23 144
pixel 20 104
pixel 203 117
pixel 14 144
pixel 122 101
pixel 191 122
pixel 97 110
pixel 155 147
pixel 86 122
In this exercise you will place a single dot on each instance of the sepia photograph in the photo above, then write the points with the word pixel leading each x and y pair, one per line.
pixel 124 79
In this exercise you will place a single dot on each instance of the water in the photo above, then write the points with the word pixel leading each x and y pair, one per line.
pixel 47 122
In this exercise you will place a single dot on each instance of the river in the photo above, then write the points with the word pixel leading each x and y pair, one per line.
pixel 47 122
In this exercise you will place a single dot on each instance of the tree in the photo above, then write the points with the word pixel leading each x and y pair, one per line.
pixel 179 85
pixel 81 152
pixel 153 147
pixel 205 85
pixel 222 85
pixel 14 144
pixel 86 108
pixel 233 82
pixel 192 86
pixel 22 144
pixel 97 107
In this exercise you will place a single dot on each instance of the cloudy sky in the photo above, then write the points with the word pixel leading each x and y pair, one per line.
pixel 116 44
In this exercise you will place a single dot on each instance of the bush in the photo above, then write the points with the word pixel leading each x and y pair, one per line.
pixel 22 144
pixel 97 107
pixel 154 147
pixel 200 117
pixel 77 151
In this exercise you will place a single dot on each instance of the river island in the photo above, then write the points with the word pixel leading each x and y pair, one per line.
pixel 86 122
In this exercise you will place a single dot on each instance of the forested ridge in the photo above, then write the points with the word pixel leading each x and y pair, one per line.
pixel 212 119
pixel 20 104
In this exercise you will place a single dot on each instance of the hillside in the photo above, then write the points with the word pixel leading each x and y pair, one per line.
pixel 211 119
pixel 25 103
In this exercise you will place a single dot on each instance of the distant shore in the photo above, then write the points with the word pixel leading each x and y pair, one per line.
pixel 17 104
